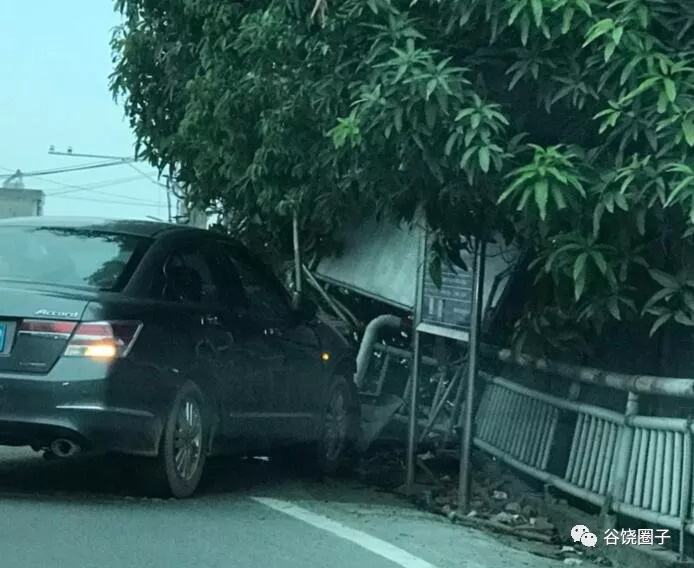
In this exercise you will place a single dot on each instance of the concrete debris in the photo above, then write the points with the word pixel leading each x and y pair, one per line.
pixel 498 502
pixel 505 518
pixel 529 511
pixel 573 561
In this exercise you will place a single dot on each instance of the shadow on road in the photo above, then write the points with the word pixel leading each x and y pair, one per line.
pixel 24 473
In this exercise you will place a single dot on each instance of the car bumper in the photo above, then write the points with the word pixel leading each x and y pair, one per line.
pixel 37 412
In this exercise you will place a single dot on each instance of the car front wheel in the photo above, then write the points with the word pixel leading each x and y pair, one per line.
pixel 339 428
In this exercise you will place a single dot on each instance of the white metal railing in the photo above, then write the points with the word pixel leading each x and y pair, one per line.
pixel 639 466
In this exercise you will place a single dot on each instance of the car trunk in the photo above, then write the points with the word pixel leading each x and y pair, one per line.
pixel 36 323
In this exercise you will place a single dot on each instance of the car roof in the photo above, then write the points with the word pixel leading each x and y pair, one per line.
pixel 135 227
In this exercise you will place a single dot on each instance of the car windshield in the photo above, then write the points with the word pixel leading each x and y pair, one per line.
pixel 66 256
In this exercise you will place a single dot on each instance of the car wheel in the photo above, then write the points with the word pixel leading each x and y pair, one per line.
pixel 183 446
pixel 339 428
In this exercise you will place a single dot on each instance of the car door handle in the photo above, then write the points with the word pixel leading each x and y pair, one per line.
pixel 210 319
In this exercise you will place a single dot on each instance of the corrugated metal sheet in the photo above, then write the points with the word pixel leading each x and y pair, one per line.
pixel 380 261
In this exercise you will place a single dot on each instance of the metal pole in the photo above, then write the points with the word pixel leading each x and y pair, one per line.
pixel 416 356
pixel 473 350
pixel 168 198
pixel 297 253
pixel 412 429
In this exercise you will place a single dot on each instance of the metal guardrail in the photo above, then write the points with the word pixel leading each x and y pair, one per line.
pixel 638 466
pixel 623 462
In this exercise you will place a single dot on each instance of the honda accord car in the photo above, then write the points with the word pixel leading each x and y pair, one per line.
pixel 165 342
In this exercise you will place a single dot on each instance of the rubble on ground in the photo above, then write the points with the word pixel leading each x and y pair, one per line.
pixel 500 501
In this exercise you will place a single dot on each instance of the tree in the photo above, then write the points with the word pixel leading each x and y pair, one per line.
pixel 567 124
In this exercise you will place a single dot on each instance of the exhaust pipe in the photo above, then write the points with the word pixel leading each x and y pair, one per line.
pixel 64 448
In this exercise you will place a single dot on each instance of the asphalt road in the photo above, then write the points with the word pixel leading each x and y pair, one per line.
pixel 86 514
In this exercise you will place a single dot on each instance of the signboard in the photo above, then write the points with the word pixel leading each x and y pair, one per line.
pixel 447 310
pixel 379 261
pixel 451 304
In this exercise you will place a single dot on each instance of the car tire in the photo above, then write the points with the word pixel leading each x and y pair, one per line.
pixel 338 429
pixel 177 470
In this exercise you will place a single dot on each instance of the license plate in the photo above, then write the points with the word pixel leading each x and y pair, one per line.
pixel 3 333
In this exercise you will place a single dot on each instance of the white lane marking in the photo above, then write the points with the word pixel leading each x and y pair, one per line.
pixel 370 543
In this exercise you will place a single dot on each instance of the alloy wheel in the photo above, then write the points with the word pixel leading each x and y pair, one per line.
pixel 188 439
pixel 336 425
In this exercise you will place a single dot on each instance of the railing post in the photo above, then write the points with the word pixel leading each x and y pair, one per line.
pixel 625 440
pixel 686 494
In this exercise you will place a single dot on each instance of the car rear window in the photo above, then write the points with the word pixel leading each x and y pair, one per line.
pixel 68 257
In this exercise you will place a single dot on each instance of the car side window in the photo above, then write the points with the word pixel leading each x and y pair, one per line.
pixel 263 297
pixel 189 278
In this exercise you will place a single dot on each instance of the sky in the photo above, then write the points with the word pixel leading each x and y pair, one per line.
pixel 54 71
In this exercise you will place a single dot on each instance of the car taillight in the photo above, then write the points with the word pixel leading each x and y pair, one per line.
pixel 47 328
pixel 103 339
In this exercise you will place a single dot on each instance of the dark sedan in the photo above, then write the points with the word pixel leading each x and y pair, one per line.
pixel 165 342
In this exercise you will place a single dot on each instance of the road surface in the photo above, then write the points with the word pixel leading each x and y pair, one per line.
pixel 249 514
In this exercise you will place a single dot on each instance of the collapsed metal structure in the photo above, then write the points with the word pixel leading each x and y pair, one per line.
pixel 535 415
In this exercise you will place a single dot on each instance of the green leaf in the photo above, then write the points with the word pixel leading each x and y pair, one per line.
pixel 670 89
pixel 688 298
pixel 641 221
pixel 613 307
pixel 517 9
pixel 663 294
pixel 431 87
pixel 659 323
pixel 430 114
pixel 579 285
pixel 537 11
pixel 541 196
pixel 558 197
pixel 525 29
pixel 629 69
pixel 597 217
pixel 643 86
pixel 621 202
pixel 583 5
pixel 598 29
pixel 398 119
pixel 688 130
pixel 664 279
pixel 483 156
pixel 452 139
pixel 566 20
pixel 684 319
pixel 599 261
pixel 675 193
pixel 580 265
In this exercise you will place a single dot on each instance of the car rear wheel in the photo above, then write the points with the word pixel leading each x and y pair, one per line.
pixel 177 470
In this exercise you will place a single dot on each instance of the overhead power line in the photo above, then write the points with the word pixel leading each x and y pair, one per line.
pixel 65 170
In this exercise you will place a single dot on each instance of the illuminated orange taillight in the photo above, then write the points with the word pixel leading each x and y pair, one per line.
pixel 103 339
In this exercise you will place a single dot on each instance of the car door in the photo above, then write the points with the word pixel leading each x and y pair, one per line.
pixel 198 340
pixel 268 307
pixel 252 394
